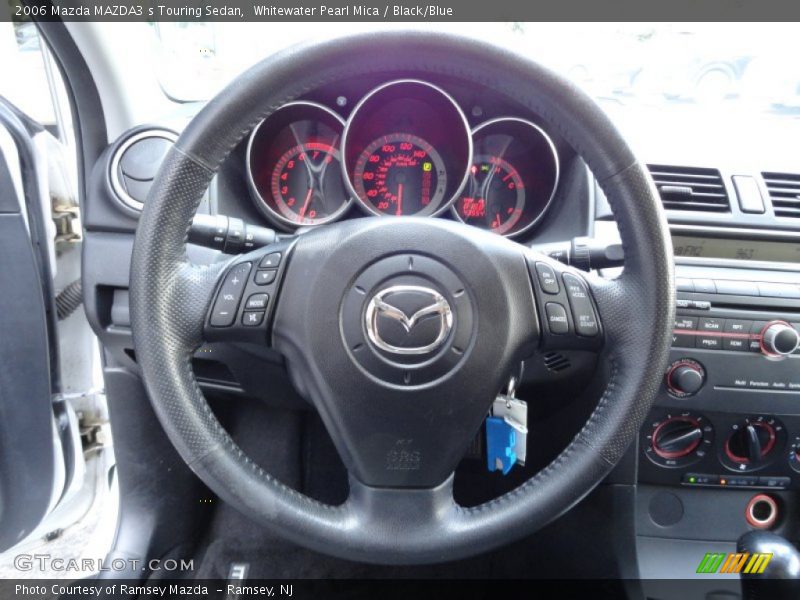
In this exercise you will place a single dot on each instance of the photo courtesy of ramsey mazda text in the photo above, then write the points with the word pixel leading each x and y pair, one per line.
pixel 308 301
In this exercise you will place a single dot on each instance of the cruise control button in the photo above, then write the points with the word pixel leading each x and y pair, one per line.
pixel 257 301
pixel 252 318
pixel 265 277
pixel 547 278
pixel 223 314
pixel 582 310
pixel 556 318
pixel 270 261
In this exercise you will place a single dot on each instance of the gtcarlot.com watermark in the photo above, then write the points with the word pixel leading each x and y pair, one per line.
pixel 45 562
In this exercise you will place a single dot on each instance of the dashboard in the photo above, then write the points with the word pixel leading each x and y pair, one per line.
pixel 405 149
pixel 725 430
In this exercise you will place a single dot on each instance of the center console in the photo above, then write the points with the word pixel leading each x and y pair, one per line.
pixel 720 451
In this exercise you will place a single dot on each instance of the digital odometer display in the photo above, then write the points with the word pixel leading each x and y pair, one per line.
pixel 401 174
pixel 725 248
pixel 495 196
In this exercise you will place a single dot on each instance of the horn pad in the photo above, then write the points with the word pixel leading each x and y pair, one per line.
pixel 407 320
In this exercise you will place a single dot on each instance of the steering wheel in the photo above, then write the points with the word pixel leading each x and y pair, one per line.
pixel 400 331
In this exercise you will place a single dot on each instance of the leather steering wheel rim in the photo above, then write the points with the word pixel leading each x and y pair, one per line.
pixel 170 299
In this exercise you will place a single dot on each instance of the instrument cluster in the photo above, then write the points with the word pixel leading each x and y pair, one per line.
pixel 406 149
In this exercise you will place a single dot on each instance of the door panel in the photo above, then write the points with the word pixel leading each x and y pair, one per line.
pixel 28 451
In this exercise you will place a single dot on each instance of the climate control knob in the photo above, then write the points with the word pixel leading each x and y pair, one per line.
pixel 752 443
pixel 685 377
pixel 678 439
pixel 778 338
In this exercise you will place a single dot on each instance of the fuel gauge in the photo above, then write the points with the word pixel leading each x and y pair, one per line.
pixel 512 179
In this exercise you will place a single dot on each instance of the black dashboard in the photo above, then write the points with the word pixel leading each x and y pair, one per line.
pixel 725 431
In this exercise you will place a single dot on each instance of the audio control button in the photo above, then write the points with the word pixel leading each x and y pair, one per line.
pixel 685 378
pixel 712 325
pixel 682 322
pixel 754 345
pixel 779 339
pixel 709 342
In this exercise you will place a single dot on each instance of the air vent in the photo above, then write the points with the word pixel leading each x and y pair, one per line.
pixel 784 190
pixel 555 362
pixel 690 188
pixel 135 162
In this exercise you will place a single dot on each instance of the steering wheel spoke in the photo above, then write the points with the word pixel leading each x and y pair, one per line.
pixel 426 510
pixel 245 293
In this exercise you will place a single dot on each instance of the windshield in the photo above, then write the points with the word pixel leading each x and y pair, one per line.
pixel 711 66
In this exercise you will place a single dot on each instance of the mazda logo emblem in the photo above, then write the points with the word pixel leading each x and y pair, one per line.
pixel 408 319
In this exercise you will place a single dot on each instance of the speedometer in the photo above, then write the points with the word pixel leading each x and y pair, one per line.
pixel 401 174
pixel 406 150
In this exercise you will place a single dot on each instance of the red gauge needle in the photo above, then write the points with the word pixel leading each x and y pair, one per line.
pixel 399 199
pixel 307 202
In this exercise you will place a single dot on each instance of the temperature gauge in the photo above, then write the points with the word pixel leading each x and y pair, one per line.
pixel 512 179
pixel 495 196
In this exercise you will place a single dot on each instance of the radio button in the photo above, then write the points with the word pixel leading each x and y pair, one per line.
pixel 712 325
pixel 779 290
pixel 683 340
pixel 738 326
pixel 709 343
pixel 736 288
pixel 685 322
pixel 736 344
pixel 705 286
pixel 754 345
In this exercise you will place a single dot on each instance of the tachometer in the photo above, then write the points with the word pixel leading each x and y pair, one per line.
pixel 307 184
pixel 294 166
pixel 401 174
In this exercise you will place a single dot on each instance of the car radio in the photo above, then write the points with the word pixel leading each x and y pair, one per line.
pixel 728 414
